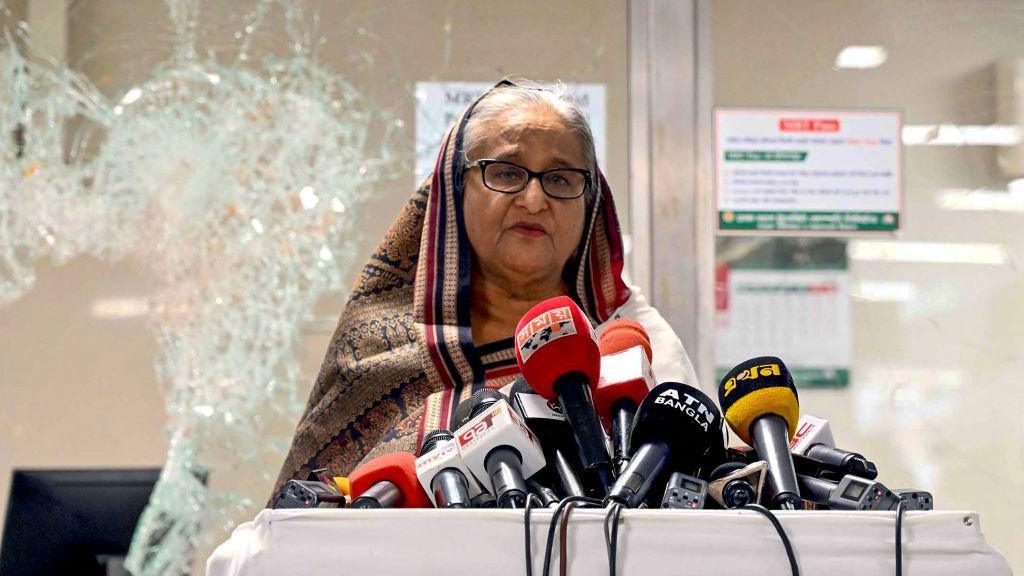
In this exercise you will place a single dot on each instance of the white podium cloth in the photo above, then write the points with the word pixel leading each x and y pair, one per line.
pixel 446 542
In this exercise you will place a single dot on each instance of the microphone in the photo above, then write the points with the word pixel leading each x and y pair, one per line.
pixel 547 496
pixel 850 493
pixel 552 431
pixel 388 481
pixel 678 428
pixel 558 355
pixel 308 494
pixel 626 378
pixel 622 334
pixel 442 473
pixel 761 406
pixel 802 464
pixel 813 439
pixel 734 485
pixel 496 444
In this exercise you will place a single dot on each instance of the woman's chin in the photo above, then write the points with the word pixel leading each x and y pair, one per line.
pixel 530 267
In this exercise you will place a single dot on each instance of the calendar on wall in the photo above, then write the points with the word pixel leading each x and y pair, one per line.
pixel 801 316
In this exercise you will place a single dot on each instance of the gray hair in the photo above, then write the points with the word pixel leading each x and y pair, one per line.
pixel 501 100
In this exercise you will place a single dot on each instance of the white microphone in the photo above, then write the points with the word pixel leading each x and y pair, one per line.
pixel 442 473
pixel 813 440
pixel 811 430
pixel 496 445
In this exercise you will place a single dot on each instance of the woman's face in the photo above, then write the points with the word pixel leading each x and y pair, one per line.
pixel 527 235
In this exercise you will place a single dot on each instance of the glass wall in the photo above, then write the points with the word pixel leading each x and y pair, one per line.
pixel 908 342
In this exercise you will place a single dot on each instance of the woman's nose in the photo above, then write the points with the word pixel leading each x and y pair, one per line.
pixel 532 198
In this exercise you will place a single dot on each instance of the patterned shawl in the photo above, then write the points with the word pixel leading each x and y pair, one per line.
pixel 402 356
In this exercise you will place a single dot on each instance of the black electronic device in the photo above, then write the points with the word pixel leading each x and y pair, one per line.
pixel 308 494
pixel 850 493
pixel 915 499
pixel 77 522
pixel 684 492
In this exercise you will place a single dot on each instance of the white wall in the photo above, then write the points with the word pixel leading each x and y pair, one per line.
pixel 934 395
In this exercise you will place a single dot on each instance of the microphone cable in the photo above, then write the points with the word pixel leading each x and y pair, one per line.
pixel 611 534
pixel 554 524
pixel 563 546
pixel 900 509
pixel 530 499
pixel 782 533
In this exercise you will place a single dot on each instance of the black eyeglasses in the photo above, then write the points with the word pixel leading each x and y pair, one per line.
pixel 509 178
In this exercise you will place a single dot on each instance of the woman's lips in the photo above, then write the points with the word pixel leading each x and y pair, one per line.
pixel 529 230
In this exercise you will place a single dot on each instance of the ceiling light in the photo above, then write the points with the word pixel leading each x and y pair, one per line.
pixel 927 252
pixel 119 308
pixel 957 135
pixel 883 291
pixel 981 200
pixel 861 57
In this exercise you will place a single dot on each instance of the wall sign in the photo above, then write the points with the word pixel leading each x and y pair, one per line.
pixel 808 170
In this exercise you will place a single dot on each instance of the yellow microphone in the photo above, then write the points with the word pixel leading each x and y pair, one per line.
pixel 761 406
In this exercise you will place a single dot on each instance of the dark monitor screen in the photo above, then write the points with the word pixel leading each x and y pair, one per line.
pixel 72 521
pixel 854 490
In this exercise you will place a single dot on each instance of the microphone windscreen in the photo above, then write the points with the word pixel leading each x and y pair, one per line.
pixel 759 386
pixel 399 468
pixel 434 438
pixel 553 339
pixel 684 418
pixel 623 334
pixel 475 404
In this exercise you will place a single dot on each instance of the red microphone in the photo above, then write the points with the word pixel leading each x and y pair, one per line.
pixel 559 357
pixel 389 481
pixel 623 334
pixel 626 378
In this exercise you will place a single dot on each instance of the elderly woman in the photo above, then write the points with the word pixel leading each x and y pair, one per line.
pixel 516 212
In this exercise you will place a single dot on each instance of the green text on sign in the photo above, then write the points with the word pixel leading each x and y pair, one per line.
pixel 817 221
pixel 765 156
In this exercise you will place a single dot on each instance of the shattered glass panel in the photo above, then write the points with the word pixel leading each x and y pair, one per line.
pixel 236 187
pixel 247 155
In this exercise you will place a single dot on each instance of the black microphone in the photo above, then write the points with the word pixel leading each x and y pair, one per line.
pixel 547 496
pixel 802 464
pixel 848 462
pixel 813 440
pixel 554 433
pixel 677 428
pixel 761 406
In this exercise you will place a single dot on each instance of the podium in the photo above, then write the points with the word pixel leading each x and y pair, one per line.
pixel 705 542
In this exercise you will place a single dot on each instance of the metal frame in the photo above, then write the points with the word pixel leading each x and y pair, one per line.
pixel 671 199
